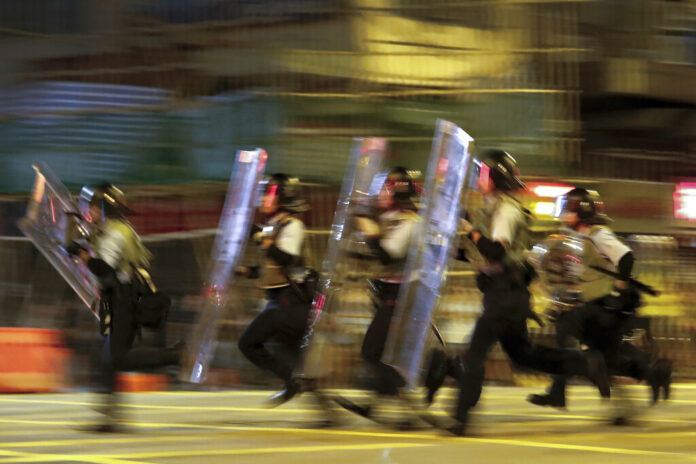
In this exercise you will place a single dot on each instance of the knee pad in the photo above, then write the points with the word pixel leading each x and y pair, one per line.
pixel 437 368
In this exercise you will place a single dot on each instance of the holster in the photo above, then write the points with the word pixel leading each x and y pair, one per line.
pixel 383 293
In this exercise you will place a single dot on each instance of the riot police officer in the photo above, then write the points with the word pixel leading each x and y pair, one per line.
pixel 498 233
pixel 285 316
pixel 128 297
pixel 388 238
pixel 608 311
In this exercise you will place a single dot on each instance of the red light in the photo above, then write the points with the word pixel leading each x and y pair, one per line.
pixel 262 160
pixel 685 201
pixel 319 302
pixel 442 165
pixel 270 196
pixel 549 190
pixel 484 175
pixel 318 305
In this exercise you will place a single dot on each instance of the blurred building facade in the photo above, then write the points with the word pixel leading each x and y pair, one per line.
pixel 163 91
pixel 166 91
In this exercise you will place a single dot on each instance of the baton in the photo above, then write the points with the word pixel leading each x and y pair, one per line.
pixel 645 288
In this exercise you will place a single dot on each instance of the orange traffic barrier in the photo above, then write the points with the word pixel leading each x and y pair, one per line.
pixel 32 360
pixel 139 382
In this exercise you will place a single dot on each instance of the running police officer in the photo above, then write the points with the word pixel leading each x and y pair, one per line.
pixel 388 237
pixel 129 300
pixel 499 233
pixel 285 316
pixel 608 311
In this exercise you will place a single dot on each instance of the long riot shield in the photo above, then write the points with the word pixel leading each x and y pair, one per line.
pixel 52 222
pixel 360 185
pixel 232 235
pixel 429 251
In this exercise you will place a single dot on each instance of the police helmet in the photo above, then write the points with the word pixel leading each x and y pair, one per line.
pixel 399 184
pixel 285 189
pixel 108 198
pixel 587 204
pixel 500 168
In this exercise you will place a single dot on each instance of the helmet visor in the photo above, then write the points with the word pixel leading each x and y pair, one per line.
pixel 479 176
pixel 560 207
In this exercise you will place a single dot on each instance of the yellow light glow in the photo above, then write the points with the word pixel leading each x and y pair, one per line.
pixel 544 208
pixel 551 191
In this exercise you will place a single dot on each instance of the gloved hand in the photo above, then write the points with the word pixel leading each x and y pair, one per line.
pixel 482 281
pixel 74 249
pixel 535 317
pixel 553 315
pixel 367 226
pixel 255 229
pixel 465 226
pixel 624 300
pixel 250 272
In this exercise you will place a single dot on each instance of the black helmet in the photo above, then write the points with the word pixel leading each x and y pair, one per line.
pixel 286 190
pixel 108 198
pixel 500 167
pixel 587 204
pixel 399 184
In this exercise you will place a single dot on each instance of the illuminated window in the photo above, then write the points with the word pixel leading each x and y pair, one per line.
pixel 685 201
pixel 549 190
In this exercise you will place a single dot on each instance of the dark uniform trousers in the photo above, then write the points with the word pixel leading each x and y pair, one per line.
pixel 600 329
pixel 119 354
pixel 505 311
pixel 284 319
pixel 385 380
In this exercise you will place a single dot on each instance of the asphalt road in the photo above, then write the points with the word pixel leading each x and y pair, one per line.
pixel 235 427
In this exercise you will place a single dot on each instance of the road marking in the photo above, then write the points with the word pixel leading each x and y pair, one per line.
pixel 114 458
pixel 261 450
pixel 16 456
pixel 111 440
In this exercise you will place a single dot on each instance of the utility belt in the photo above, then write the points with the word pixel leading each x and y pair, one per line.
pixel 505 276
pixel 625 317
pixel 384 292
pixel 286 295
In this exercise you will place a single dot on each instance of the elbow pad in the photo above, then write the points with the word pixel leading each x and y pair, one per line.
pixel 105 273
pixel 626 266
pixel 382 254
pixel 279 256
pixel 461 255
pixel 492 251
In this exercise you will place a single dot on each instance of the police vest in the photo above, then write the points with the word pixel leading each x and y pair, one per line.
pixel 132 254
pixel 483 221
pixel 393 271
pixel 593 283
pixel 273 275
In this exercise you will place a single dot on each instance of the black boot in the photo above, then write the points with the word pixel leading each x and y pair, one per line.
pixel 292 388
pixel 109 411
pixel 329 417
pixel 660 378
pixel 361 410
pixel 547 399
pixel 597 372
pixel 458 428
pixel 435 377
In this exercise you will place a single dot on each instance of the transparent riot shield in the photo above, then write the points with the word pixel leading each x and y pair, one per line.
pixel 231 239
pixel 558 260
pixel 429 251
pixel 361 184
pixel 52 222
